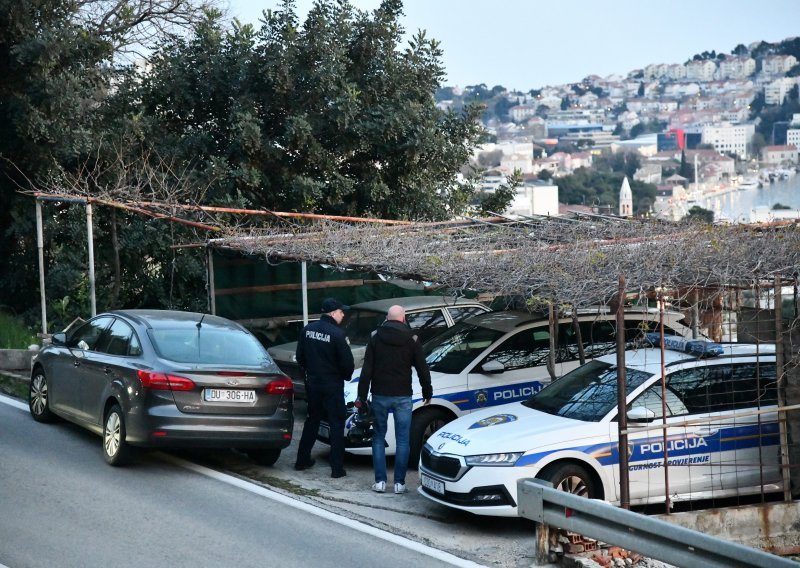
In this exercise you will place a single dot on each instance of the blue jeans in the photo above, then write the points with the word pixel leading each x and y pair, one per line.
pixel 400 406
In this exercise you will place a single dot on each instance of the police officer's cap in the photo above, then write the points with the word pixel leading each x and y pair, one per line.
pixel 332 304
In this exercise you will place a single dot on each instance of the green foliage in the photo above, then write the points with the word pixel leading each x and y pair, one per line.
pixel 333 116
pixel 619 162
pixel 14 334
pixel 498 200
pixel 780 206
pixel 49 73
pixel 592 187
pixel 697 213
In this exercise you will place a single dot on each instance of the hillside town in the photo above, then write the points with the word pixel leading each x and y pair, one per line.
pixel 700 118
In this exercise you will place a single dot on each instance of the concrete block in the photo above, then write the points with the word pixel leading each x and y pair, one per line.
pixel 16 359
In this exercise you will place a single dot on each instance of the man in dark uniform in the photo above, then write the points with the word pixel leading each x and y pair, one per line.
pixel 325 356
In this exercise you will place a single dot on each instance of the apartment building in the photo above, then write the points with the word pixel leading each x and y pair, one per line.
pixel 521 113
pixel 701 70
pixel 779 155
pixel 776 91
pixel 736 67
pixel 729 138
pixel 793 137
pixel 777 64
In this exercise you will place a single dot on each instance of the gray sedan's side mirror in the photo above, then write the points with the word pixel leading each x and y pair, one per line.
pixel 641 414
pixel 59 338
pixel 492 367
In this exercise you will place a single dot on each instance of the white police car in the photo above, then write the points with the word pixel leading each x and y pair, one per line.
pixel 567 433
pixel 500 357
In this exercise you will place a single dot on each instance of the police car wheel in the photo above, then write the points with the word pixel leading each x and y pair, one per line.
pixel 424 423
pixel 570 478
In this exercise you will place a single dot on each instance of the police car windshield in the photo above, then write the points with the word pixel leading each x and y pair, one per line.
pixel 451 351
pixel 588 393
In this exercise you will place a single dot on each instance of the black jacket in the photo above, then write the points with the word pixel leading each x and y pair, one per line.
pixel 392 351
pixel 323 352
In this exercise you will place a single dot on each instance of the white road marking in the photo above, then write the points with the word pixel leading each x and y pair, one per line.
pixel 300 505
pixel 344 521
pixel 15 403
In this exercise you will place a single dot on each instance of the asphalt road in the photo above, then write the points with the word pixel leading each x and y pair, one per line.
pixel 61 505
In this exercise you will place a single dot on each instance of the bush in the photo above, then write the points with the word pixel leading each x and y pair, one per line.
pixel 14 334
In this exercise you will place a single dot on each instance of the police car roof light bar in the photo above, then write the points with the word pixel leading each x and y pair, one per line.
pixel 695 347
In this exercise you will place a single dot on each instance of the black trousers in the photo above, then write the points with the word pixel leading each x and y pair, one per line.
pixel 325 400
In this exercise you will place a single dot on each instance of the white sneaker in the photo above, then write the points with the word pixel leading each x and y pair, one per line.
pixel 379 487
pixel 400 488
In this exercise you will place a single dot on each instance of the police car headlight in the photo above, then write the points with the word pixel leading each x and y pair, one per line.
pixel 507 459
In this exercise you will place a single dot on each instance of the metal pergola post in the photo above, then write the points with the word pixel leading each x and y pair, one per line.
pixel 40 246
pixel 622 406
pixel 90 246
pixel 304 281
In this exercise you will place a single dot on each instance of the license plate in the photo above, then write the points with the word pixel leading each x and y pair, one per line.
pixel 431 483
pixel 324 431
pixel 229 395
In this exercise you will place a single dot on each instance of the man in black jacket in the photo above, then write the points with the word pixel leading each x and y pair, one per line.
pixel 392 351
pixel 325 356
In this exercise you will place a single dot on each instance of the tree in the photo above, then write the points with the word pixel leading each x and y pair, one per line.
pixel 740 50
pixel 637 129
pixel 686 170
pixel 497 201
pixel 55 71
pixel 697 213
pixel 757 144
pixel 501 107
pixel 333 116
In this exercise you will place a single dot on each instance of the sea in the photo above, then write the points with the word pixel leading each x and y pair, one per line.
pixel 737 205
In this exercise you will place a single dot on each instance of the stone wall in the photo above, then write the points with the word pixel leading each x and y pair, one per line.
pixel 16 359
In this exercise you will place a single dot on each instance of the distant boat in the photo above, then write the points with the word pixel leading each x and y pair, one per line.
pixel 749 183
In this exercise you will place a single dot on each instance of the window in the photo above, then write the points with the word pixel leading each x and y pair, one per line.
pixel 651 399
pixel 526 348
pixel 600 337
pixel 87 335
pixel 587 393
pixel 116 339
pixel 426 324
pixel 720 388
pixel 459 314
pixel 359 324
pixel 451 351
pixel 209 345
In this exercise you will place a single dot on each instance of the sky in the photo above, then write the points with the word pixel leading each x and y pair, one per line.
pixel 529 44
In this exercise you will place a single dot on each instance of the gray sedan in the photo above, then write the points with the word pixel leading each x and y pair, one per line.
pixel 159 378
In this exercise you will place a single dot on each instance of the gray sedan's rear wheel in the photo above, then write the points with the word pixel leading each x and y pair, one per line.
pixel 39 398
pixel 116 450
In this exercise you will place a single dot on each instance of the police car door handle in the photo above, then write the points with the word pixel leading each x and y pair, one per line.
pixel 707 431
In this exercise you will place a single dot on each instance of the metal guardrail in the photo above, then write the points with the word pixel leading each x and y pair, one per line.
pixel 540 502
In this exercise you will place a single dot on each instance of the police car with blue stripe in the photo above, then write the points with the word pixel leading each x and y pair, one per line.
pixel 501 357
pixel 721 432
